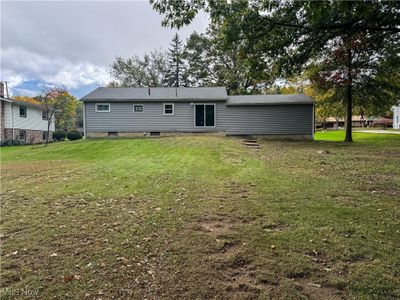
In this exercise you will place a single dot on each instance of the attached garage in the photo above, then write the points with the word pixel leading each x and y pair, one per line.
pixel 274 115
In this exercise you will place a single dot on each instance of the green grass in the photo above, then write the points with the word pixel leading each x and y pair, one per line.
pixel 338 136
pixel 202 217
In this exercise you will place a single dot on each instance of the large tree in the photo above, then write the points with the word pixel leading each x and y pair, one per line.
pixel 149 70
pixel 213 61
pixel 175 68
pixel 352 41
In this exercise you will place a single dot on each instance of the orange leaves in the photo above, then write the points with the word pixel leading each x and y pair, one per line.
pixel 27 99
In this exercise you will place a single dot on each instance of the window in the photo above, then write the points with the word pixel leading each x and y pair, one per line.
pixel 22 135
pixel 204 115
pixel 103 107
pixel 138 108
pixel 22 111
pixel 112 134
pixel 168 108
pixel 44 115
pixel 44 135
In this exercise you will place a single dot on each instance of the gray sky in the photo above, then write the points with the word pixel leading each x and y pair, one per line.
pixel 72 43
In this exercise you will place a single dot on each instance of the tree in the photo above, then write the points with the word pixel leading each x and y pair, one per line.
pixel 213 62
pixel 66 117
pixel 135 71
pixel 175 74
pixel 352 41
pixel 53 101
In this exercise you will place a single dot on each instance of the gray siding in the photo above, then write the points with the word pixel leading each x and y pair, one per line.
pixel 269 119
pixel 123 119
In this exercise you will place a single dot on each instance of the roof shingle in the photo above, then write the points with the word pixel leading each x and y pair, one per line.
pixel 152 94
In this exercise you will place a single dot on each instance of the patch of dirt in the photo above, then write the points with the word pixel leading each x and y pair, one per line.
pixel 235 270
pixel 318 291
pixel 221 226
pixel 240 190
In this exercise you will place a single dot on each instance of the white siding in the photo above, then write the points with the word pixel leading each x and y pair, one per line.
pixel 396 117
pixel 33 120
pixel 7 115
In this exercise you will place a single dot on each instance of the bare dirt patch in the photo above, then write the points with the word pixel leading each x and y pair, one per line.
pixel 317 291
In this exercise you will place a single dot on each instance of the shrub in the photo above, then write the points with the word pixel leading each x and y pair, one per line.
pixel 73 135
pixel 59 135
pixel 12 143
pixel 384 122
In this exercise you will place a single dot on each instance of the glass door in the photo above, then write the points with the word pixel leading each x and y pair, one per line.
pixel 199 122
pixel 204 115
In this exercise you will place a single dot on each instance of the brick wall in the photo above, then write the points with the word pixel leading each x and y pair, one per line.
pixel 32 136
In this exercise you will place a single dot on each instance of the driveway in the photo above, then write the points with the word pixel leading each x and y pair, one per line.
pixel 379 131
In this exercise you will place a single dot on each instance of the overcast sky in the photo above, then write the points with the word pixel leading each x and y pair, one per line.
pixel 73 43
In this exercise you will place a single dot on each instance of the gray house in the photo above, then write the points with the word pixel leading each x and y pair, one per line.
pixel 164 111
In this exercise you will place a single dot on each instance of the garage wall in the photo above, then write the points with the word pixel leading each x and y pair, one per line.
pixel 269 119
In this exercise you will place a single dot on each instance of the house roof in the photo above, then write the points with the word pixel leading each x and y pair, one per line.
pixel 22 103
pixel 154 94
pixel 5 99
pixel 279 99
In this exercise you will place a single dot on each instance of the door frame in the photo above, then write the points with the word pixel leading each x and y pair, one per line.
pixel 215 115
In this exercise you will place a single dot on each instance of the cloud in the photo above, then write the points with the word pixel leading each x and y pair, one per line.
pixel 57 71
pixel 73 43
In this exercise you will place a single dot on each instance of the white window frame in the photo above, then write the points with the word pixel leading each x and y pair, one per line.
pixel 103 111
pixel 173 109
pixel 215 115
pixel 138 112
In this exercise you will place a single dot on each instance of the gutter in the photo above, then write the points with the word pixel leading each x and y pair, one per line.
pixel 268 104
pixel 146 100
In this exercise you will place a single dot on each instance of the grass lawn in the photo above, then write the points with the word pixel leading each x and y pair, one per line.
pixel 202 217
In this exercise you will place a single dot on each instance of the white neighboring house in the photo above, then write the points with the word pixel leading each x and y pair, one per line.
pixel 23 121
pixel 396 116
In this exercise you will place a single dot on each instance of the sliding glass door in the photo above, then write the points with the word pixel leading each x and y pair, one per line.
pixel 204 115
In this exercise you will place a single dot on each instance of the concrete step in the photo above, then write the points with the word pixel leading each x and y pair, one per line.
pixel 249 141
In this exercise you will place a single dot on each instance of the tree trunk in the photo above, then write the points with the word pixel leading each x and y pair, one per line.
pixel 349 99
pixel 48 131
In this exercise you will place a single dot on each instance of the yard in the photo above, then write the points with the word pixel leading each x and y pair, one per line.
pixel 202 217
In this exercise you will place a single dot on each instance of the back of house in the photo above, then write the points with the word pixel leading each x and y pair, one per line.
pixel 162 111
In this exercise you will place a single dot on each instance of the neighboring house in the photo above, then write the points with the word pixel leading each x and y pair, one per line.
pixel 162 111
pixel 24 121
pixel 396 116
pixel 336 123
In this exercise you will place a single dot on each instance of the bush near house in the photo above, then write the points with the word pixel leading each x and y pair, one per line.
pixel 73 135
pixel 12 143
pixel 386 122
pixel 59 135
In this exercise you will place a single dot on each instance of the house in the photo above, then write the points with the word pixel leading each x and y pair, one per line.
pixel 130 112
pixel 339 122
pixel 396 116
pixel 23 121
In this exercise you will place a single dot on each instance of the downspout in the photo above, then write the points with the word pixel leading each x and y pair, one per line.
pixel 313 122
pixel 12 122
pixel 84 120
